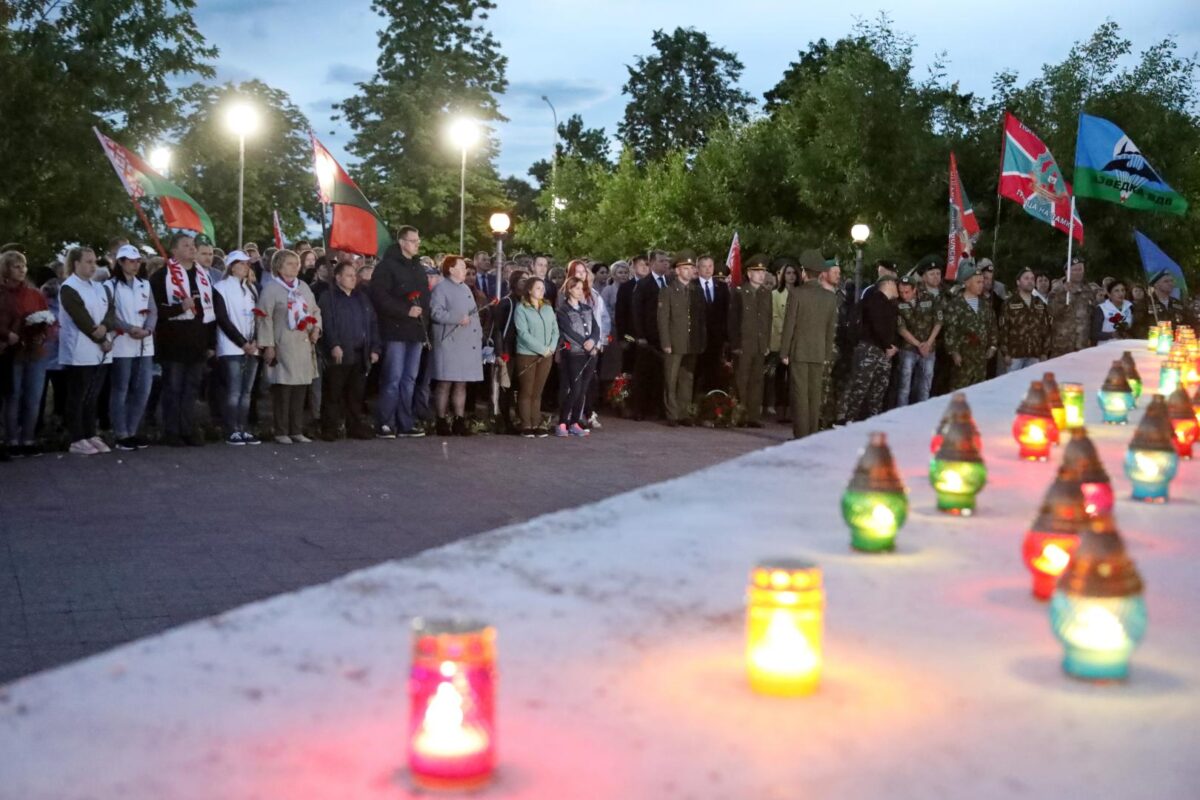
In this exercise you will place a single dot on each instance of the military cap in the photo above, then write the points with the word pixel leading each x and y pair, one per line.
pixel 911 280
pixel 832 262
pixel 930 262
pixel 202 239
pixel 986 265
pixel 966 270
pixel 882 279
pixel 684 258
pixel 813 261
pixel 757 261
pixel 1158 276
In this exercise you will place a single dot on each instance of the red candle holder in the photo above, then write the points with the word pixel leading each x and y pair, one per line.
pixel 1034 427
pixel 452 690
pixel 1080 455
pixel 957 410
pixel 1054 535
pixel 1184 425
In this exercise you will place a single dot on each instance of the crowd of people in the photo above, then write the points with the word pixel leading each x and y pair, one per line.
pixel 404 344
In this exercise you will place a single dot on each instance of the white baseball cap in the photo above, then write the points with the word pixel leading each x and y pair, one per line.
pixel 128 251
pixel 236 256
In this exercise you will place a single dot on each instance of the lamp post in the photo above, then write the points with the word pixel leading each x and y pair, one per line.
pixel 499 223
pixel 859 233
pixel 553 163
pixel 242 120
pixel 160 159
pixel 464 132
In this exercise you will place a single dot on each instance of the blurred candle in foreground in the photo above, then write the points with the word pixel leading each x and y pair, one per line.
pixel 1115 396
pixel 1074 401
pixel 1034 427
pixel 1151 461
pixel 1055 532
pixel 875 504
pixel 1184 426
pixel 959 409
pixel 1055 401
pixel 957 472
pixel 1152 339
pixel 1132 375
pixel 1097 611
pixel 1080 456
pixel 452 730
pixel 785 608
pixel 1166 338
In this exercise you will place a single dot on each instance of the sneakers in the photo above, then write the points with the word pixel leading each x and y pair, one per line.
pixel 283 440
pixel 561 431
pixel 234 439
pixel 83 447
pixel 141 442
pixel 461 427
pixel 250 438
pixel 594 421
pixel 529 433
pixel 98 445
pixel 411 433
pixel 578 430
pixel 442 427
pixel 385 432
pixel 300 438
pixel 542 432
pixel 127 443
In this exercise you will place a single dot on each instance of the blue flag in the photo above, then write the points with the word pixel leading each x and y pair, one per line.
pixel 1155 260
pixel 1109 166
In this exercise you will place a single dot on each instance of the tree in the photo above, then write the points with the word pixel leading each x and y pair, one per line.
pixel 279 170
pixel 67 67
pixel 436 61
pixel 590 145
pixel 679 94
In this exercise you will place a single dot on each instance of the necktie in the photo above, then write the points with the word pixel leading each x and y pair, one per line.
pixel 661 283
pixel 708 291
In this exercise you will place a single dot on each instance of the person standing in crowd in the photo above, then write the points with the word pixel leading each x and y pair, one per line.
pixel 578 268
pixel 289 325
pixel 1041 287
pixel 1024 335
pixel 235 301
pixel 84 348
pixel 778 382
pixel 23 344
pixel 1113 318
pixel 971 333
pixel 993 297
pixel 710 366
pixel 873 354
pixel 639 268
pixel 750 327
pixel 506 349
pixel 883 267
pixel 918 323
pixel 682 332
pixel 648 363
pixel 183 296
pixel 132 368
pixel 540 266
pixel 619 273
pixel 456 359
pixel 1071 307
pixel 206 258
pixel 807 343
pixel 55 384
pixel 580 336
pixel 351 344
pixel 400 292
pixel 1137 294
pixel 537 340
pixel 1160 306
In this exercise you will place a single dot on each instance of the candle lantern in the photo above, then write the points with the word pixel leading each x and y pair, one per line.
pixel 1055 533
pixel 957 409
pixel 1073 401
pixel 1054 399
pixel 1034 427
pixel 1166 338
pixel 1184 426
pixel 957 472
pixel 1152 339
pixel 452 731
pixel 875 504
pixel 1168 375
pixel 785 608
pixel 1115 396
pixel 1151 461
pixel 1081 457
pixel 1097 612
pixel 1132 375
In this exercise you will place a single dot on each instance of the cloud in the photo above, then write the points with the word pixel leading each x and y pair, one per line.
pixel 347 73
pixel 564 93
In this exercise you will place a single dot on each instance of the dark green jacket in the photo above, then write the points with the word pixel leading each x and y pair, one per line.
pixel 750 319
pixel 681 319
pixel 810 325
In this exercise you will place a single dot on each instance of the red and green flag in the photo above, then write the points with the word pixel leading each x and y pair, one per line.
pixel 1030 176
pixel 179 210
pixel 964 228
pixel 356 228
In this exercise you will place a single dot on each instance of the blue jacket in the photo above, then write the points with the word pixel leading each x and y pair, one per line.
pixel 350 324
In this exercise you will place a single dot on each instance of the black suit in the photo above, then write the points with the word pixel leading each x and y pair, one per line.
pixel 648 362
pixel 710 365
pixel 623 323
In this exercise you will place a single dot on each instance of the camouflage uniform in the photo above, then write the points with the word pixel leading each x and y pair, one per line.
pixel 1025 329
pixel 1071 321
pixel 1150 311
pixel 837 368
pixel 919 318
pixel 969 335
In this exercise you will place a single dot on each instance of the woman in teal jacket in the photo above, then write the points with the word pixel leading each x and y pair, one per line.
pixel 537 339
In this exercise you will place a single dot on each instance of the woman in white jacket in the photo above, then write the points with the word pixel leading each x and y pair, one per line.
pixel 132 369
pixel 84 347
pixel 235 298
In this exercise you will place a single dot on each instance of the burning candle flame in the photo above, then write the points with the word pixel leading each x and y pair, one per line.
pixel 1147 466
pixel 1096 628
pixel 882 517
pixel 444 731
pixel 783 649
pixel 950 481
pixel 1053 560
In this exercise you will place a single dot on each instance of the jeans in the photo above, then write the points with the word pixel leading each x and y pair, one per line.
pixel 574 375
pixel 237 380
pixel 83 397
pixel 180 388
pixel 25 400
pixel 1022 363
pixel 129 390
pixel 401 362
pixel 911 360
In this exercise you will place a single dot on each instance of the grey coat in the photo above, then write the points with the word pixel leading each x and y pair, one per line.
pixel 457 352
pixel 295 359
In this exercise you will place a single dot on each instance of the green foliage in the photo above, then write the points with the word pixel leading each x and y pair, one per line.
pixel 436 62
pixel 278 161
pixel 574 141
pixel 66 67
pixel 679 94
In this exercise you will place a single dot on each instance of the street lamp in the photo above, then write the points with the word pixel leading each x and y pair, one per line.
pixel 859 233
pixel 499 223
pixel 242 120
pixel 160 160
pixel 464 132
pixel 553 161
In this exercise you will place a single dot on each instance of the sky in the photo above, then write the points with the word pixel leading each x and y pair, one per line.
pixel 576 52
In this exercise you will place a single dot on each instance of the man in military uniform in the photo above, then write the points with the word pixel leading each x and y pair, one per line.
pixel 1159 306
pixel 873 353
pixel 919 323
pixel 1024 326
pixel 750 337
pixel 837 371
pixel 807 347
pixel 682 334
pixel 1071 306
pixel 970 330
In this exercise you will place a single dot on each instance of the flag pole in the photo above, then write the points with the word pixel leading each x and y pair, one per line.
pixel 1070 245
pixel 149 229
pixel 324 228
pixel 996 232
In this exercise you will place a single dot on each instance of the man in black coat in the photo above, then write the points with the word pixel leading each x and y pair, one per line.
pixel 710 367
pixel 648 363
pixel 623 313
pixel 400 294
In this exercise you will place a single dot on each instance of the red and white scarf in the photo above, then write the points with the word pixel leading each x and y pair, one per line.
pixel 299 317
pixel 178 288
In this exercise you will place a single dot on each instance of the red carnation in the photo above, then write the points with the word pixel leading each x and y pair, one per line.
pixel 414 295
pixel 566 345
pixel 258 312
pixel 1117 319
pixel 504 357
pixel 180 296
